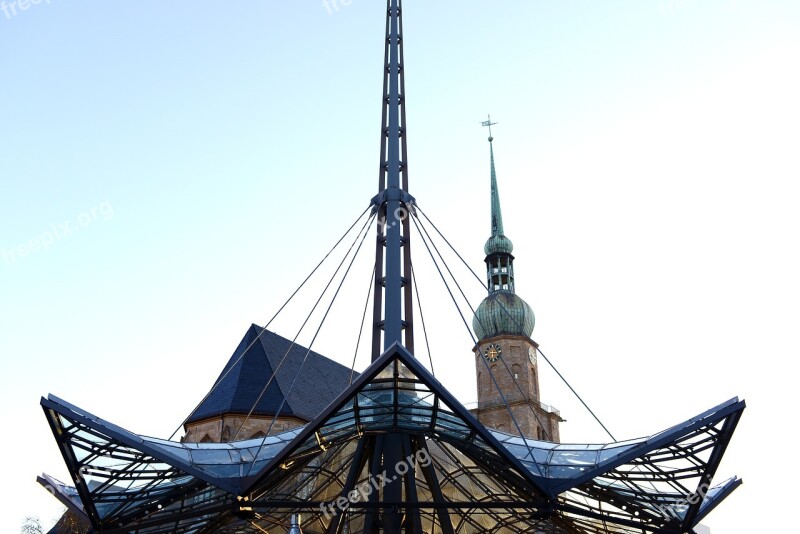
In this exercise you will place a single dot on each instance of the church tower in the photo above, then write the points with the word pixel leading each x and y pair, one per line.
pixel 505 355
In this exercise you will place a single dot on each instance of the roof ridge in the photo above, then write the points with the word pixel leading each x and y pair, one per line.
pixel 273 372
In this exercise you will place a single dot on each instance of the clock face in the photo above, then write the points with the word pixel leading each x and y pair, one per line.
pixel 492 352
pixel 532 355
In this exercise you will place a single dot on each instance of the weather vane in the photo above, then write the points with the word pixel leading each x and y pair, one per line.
pixel 489 123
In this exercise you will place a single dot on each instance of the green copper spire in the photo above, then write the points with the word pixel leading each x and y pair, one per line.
pixel 497 213
pixel 502 312
pixel 498 242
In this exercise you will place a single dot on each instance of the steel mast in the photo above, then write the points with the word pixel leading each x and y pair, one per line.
pixel 392 311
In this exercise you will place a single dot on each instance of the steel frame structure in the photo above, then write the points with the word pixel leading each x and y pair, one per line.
pixel 476 480
pixel 393 305
pixel 395 452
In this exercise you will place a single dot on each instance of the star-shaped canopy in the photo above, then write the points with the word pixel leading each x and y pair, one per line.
pixel 457 475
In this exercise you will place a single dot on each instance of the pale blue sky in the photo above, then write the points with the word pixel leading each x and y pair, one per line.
pixel 206 155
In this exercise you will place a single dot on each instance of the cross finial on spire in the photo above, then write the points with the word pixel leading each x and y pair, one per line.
pixel 489 123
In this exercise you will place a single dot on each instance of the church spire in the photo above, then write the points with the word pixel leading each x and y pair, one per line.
pixel 503 325
pixel 502 312
pixel 497 214
pixel 497 243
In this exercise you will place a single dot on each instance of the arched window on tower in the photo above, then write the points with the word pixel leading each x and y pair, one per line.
pixel 516 370
pixel 206 439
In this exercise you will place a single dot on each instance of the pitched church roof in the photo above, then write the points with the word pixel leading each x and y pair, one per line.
pixel 319 380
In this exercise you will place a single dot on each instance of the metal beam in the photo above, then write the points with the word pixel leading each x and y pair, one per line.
pixel 374 471
pixel 359 458
pixel 413 520
pixel 433 483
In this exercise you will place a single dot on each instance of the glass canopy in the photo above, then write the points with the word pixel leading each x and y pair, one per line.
pixel 456 476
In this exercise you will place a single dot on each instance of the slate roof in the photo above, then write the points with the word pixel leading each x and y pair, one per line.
pixel 319 381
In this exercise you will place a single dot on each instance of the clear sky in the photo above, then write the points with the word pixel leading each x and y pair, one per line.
pixel 170 171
